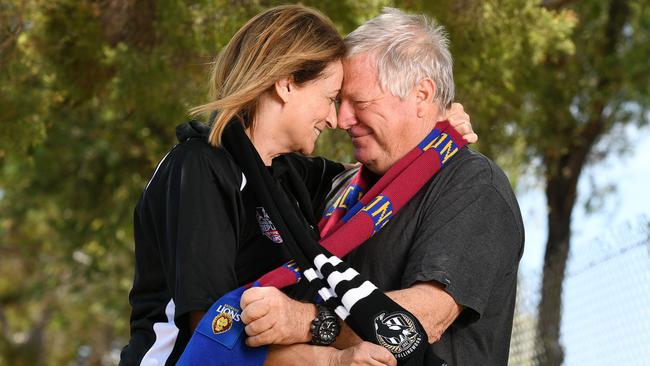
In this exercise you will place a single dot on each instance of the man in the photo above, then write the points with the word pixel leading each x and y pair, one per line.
pixel 450 256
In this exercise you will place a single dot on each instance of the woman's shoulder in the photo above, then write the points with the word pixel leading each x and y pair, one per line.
pixel 197 153
pixel 194 160
pixel 193 147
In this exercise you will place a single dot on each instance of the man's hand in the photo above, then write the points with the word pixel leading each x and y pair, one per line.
pixel 271 317
pixel 460 121
pixel 364 353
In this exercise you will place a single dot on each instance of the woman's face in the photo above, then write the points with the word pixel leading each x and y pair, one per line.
pixel 312 109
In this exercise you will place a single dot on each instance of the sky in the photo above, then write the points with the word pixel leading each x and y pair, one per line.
pixel 606 297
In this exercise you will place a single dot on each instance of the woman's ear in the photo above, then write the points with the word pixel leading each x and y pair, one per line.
pixel 284 89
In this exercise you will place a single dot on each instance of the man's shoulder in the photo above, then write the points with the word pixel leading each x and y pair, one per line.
pixel 474 172
pixel 471 168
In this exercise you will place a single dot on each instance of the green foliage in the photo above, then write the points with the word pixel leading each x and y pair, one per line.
pixel 90 93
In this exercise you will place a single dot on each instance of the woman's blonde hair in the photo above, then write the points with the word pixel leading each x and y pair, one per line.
pixel 285 41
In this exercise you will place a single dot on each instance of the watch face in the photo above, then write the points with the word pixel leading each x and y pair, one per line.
pixel 328 330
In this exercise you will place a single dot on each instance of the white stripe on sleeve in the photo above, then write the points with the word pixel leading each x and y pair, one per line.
pixel 353 295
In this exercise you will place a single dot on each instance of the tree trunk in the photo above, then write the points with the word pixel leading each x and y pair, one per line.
pixel 560 195
pixel 563 172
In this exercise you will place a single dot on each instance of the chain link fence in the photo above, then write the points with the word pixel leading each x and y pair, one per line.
pixel 605 310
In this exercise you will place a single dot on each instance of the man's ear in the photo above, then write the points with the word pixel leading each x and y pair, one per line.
pixel 425 91
pixel 284 88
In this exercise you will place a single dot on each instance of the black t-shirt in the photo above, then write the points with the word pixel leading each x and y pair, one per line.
pixel 464 230
pixel 199 234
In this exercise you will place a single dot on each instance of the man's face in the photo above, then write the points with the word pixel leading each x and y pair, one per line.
pixel 383 127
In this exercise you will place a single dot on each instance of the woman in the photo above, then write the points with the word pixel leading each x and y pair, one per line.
pixel 199 232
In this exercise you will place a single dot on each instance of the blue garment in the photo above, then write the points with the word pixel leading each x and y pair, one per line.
pixel 219 340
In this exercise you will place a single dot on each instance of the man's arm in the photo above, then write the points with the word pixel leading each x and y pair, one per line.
pixel 428 301
pixel 434 308
pixel 431 304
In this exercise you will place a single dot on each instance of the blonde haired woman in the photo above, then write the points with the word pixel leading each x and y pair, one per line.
pixel 199 231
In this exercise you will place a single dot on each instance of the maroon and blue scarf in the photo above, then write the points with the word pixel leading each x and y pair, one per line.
pixel 359 211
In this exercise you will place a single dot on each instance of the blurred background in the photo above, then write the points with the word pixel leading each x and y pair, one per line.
pixel 91 90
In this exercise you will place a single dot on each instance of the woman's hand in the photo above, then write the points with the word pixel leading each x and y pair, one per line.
pixel 363 354
pixel 459 119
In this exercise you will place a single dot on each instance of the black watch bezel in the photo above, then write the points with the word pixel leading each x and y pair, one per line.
pixel 325 327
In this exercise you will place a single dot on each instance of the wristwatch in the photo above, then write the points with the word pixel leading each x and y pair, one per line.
pixel 325 327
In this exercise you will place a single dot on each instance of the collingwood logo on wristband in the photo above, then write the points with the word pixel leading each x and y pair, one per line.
pixel 397 333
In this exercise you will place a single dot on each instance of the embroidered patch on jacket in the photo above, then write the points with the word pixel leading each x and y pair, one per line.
pixel 267 226
pixel 397 333
pixel 221 323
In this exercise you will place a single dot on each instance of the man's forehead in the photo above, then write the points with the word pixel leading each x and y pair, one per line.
pixel 360 73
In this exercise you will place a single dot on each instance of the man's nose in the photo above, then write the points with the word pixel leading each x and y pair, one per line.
pixel 346 118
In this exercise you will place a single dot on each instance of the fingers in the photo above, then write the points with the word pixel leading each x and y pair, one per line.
pixel 254 311
pixel 465 130
pixel 456 108
pixel 251 295
pixel 379 354
pixel 262 339
pixel 460 121
pixel 457 119
pixel 471 138
pixel 366 354
pixel 256 302
pixel 260 325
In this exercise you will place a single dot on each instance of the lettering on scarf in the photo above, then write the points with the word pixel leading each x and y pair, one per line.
pixel 347 199
pixel 380 210
pixel 293 267
pixel 444 146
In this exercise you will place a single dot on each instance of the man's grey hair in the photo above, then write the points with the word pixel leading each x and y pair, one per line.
pixel 408 49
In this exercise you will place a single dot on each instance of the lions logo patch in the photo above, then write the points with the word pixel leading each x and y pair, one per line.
pixel 221 323
pixel 397 333
pixel 267 226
